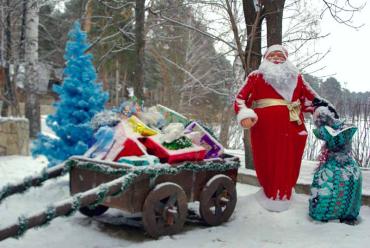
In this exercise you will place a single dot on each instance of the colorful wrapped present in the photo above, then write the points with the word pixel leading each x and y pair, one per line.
pixel 104 140
pixel 139 127
pixel 172 116
pixel 139 161
pixel 105 118
pixel 205 139
pixel 152 118
pixel 180 143
pixel 129 147
pixel 129 107
pixel 124 143
pixel 172 132
pixel 154 146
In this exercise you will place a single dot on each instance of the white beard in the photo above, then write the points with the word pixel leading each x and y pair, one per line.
pixel 282 77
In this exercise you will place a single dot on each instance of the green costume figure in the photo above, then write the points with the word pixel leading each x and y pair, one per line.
pixel 337 182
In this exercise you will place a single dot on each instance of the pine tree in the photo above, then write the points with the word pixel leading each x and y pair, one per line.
pixel 80 99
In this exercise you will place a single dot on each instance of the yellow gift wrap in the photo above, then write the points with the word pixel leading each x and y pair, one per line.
pixel 140 127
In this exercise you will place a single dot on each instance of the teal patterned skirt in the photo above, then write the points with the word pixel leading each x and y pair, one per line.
pixel 336 190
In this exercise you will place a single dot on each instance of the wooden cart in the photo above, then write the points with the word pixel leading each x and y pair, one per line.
pixel 159 195
pixel 162 200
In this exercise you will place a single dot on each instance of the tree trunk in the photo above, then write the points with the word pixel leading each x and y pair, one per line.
pixel 225 126
pixel 117 84
pixel 3 61
pixel 87 15
pixel 125 93
pixel 253 20
pixel 139 49
pixel 274 21
pixel 7 88
pixel 22 50
pixel 253 57
pixel 2 35
pixel 2 58
pixel 32 105
pixel 9 100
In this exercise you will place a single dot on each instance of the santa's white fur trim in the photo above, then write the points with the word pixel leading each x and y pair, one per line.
pixel 272 205
pixel 276 47
pixel 245 113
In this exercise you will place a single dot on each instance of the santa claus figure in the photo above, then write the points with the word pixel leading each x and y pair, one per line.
pixel 271 104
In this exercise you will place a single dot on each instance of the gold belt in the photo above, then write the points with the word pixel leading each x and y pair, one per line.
pixel 293 107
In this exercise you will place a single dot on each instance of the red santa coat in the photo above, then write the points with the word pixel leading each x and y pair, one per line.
pixel 277 142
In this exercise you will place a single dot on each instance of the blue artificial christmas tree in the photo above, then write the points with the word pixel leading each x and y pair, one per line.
pixel 80 99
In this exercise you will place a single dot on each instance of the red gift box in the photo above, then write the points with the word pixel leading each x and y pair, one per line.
pixel 129 148
pixel 155 147
pixel 125 143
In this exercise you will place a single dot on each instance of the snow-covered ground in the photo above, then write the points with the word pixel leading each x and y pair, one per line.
pixel 249 226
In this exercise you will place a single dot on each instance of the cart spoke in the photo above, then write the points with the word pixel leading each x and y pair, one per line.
pixel 218 211
pixel 212 202
pixel 171 200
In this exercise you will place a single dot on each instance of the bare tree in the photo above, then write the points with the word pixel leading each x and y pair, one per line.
pixel 8 95
pixel 32 103
pixel 139 48
pixel 193 73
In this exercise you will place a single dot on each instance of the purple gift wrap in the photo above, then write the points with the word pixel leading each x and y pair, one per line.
pixel 213 147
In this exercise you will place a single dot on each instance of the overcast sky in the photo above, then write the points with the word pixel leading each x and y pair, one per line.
pixel 349 58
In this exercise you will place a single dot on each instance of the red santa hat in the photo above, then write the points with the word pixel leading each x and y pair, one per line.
pixel 276 47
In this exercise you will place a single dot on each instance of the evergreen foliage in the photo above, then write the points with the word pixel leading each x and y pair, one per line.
pixel 80 99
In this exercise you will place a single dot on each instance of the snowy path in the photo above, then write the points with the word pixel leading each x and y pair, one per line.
pixel 250 225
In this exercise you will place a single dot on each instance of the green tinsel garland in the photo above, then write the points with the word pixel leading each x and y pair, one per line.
pixel 23 226
pixel 160 170
pixel 126 182
pixel 177 144
pixel 68 166
pixel 99 168
pixel 76 203
pixel 50 214
pixel 102 194
pixel 4 192
pixel 27 183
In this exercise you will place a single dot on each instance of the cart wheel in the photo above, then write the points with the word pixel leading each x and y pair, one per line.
pixel 217 200
pixel 165 209
pixel 91 212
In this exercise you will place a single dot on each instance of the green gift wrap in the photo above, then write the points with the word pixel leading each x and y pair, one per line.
pixel 172 116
